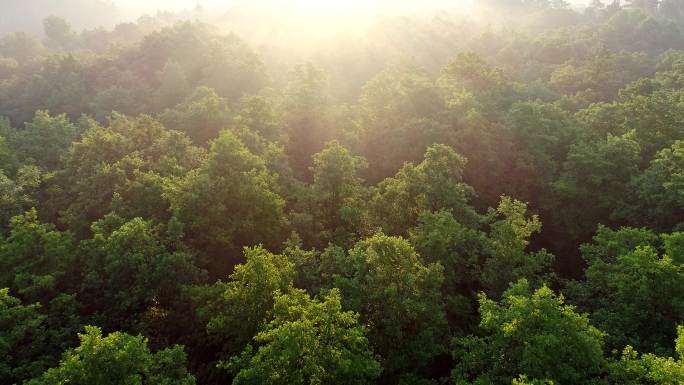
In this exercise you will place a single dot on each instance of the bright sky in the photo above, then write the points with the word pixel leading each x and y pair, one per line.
pixel 304 5
pixel 152 5
pixel 309 5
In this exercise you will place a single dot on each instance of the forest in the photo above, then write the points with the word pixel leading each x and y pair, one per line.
pixel 491 197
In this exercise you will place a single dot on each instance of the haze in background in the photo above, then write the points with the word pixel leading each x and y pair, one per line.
pixel 301 5
pixel 175 5
pixel 305 15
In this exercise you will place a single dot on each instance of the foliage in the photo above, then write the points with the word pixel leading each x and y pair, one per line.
pixel 40 267
pixel 475 259
pixel 231 192
pixel 18 195
pixel 308 342
pixel 632 292
pixel 23 340
pixel 36 260
pixel 436 183
pixel 339 195
pixel 397 295
pixel 236 310
pixel 649 368
pixel 202 115
pixel 44 140
pixel 228 203
pixel 124 167
pixel 117 358
pixel 131 276
pixel 507 258
pixel 532 333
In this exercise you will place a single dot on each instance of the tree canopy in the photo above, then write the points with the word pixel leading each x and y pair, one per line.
pixel 342 193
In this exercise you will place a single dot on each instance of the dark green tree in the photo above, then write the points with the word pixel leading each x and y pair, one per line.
pixel 234 311
pixel 507 258
pixel 125 167
pixel 131 274
pixel 339 194
pixel 398 112
pixel 58 33
pixel 306 117
pixel 228 203
pixel 398 297
pixel 434 184
pixel 24 340
pixel 630 290
pixel 45 139
pixel 39 265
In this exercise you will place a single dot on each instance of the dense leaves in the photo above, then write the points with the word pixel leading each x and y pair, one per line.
pixel 650 368
pixel 117 358
pixel 129 255
pixel 23 340
pixel 398 295
pixel 309 342
pixel 531 333
pixel 363 206
pixel 236 310
pixel 229 202
pixel 633 292
pixel 436 183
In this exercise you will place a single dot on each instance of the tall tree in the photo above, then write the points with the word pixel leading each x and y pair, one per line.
pixel 234 311
pixel 531 333
pixel 340 195
pixel 125 166
pixel 398 297
pixel 630 290
pixel 507 258
pixel 305 107
pixel 132 275
pixel 308 342
pixel 40 266
pixel 45 139
pixel 228 203
pixel 201 115
pixel 24 340
pixel 434 184
pixel 58 32
pixel 398 120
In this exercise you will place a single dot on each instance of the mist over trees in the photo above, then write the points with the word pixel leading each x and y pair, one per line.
pixel 486 197
pixel 28 16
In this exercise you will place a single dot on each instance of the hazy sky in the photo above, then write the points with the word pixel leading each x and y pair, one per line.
pixel 151 5
pixel 309 5
pixel 319 5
